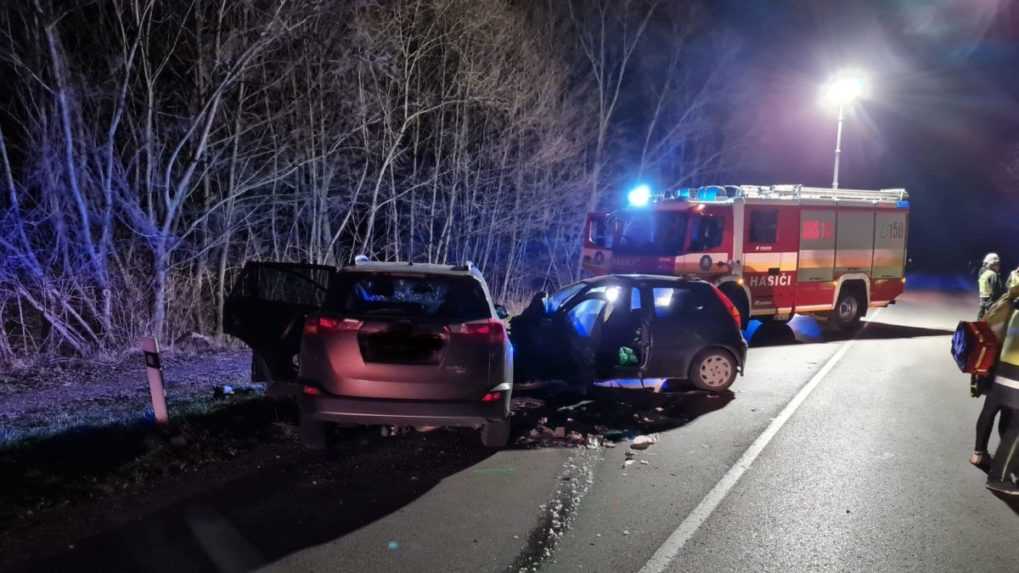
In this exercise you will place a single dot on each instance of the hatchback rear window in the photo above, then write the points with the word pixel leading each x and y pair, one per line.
pixel 676 301
pixel 388 295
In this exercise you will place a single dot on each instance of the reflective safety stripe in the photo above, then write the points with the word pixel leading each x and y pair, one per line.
pixel 1014 384
pixel 814 307
pixel 763 262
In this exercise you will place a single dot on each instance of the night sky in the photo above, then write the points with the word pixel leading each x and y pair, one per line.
pixel 943 112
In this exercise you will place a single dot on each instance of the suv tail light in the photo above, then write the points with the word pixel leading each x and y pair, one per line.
pixel 733 311
pixel 322 324
pixel 492 396
pixel 491 330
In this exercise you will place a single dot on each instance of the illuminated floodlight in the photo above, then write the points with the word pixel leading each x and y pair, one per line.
pixel 639 196
pixel 844 88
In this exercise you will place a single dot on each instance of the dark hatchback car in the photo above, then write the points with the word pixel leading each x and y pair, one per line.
pixel 379 343
pixel 643 331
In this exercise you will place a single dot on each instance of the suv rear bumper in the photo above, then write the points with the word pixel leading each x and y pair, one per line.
pixel 370 411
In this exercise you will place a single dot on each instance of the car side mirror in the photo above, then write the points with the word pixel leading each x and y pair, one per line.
pixel 501 311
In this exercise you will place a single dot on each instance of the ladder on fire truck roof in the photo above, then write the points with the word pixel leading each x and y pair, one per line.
pixel 723 193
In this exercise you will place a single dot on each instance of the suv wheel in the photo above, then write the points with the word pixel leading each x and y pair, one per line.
pixel 495 433
pixel 713 369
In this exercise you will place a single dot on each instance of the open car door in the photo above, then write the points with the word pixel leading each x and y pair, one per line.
pixel 266 309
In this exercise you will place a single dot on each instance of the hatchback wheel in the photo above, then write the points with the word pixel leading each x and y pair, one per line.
pixel 495 434
pixel 713 369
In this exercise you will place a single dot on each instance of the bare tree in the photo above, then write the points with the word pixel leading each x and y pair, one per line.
pixel 178 140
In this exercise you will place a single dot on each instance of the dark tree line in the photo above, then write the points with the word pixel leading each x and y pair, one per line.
pixel 149 148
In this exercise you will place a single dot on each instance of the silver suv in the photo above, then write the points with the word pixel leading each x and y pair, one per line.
pixel 392 344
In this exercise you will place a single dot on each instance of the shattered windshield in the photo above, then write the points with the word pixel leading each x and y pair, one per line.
pixel 366 295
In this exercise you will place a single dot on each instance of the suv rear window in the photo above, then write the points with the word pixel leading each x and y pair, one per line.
pixel 390 295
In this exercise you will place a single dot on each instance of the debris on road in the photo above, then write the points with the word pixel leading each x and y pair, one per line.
pixel 572 407
pixel 643 442
pixel 526 403
pixel 226 390
pixel 558 514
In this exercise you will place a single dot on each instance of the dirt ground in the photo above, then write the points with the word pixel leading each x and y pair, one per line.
pixel 60 396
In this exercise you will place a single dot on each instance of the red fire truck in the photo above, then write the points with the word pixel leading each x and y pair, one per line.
pixel 775 250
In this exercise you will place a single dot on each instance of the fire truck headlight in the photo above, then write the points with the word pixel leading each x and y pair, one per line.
pixel 639 196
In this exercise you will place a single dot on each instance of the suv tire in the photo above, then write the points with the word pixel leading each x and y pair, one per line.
pixel 495 433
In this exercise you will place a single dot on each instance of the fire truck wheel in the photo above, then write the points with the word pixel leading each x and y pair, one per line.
pixel 714 369
pixel 739 299
pixel 847 311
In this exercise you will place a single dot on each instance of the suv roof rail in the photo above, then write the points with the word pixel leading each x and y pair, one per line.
pixel 467 266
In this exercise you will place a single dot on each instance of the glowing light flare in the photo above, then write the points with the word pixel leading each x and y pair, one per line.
pixel 612 294
pixel 844 88
pixel 663 298
pixel 639 196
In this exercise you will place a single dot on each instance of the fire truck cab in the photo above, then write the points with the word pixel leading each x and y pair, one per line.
pixel 775 250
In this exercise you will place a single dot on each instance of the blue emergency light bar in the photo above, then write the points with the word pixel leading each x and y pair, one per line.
pixel 724 193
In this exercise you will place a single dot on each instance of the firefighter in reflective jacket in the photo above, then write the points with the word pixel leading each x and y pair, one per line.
pixel 989 282
pixel 1004 471
pixel 1013 279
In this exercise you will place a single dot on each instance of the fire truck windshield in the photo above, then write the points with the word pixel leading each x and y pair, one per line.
pixel 656 233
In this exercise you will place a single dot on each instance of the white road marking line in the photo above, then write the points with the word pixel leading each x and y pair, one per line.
pixel 661 559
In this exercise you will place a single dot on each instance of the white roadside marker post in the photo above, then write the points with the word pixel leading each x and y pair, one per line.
pixel 154 372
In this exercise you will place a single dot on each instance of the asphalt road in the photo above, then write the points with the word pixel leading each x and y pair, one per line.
pixel 867 471
pixel 830 454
